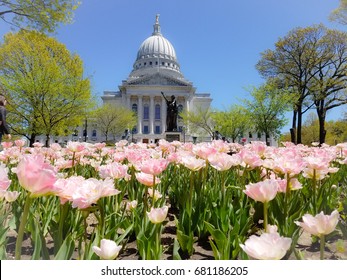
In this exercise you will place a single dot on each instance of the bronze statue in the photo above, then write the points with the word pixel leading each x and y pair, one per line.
pixel 172 113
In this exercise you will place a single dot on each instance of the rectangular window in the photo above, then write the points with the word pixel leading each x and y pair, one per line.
pixel 157 112
pixel 157 129
pixel 146 112
pixel 145 129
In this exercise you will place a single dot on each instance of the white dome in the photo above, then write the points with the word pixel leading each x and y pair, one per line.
pixel 156 46
pixel 156 52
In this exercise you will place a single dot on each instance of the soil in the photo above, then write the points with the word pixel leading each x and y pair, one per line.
pixel 335 249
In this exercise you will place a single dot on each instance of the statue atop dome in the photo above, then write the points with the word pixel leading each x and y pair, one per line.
pixel 156 26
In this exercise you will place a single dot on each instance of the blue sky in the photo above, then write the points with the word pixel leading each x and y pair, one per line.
pixel 217 42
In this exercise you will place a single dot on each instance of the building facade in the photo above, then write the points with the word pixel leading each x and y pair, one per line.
pixel 155 70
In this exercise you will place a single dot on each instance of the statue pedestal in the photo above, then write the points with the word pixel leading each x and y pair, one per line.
pixel 171 136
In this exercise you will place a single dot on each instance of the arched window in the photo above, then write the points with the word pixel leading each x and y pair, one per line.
pixel 134 108
pixel 146 112
pixel 157 112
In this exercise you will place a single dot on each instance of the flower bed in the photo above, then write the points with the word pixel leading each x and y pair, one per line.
pixel 241 202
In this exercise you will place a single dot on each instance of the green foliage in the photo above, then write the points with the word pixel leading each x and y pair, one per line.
pixel 340 13
pixel 267 108
pixel 233 122
pixel 336 131
pixel 113 120
pixel 41 15
pixel 44 83
pixel 199 122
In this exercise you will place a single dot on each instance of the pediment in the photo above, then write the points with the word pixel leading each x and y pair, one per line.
pixel 158 80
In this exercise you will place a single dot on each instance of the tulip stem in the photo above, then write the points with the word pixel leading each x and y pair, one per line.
pixel 322 246
pixel 265 215
pixel 314 183
pixel 23 222
pixel 153 191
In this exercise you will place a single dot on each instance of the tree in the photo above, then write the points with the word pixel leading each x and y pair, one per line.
pixel 42 15
pixel 267 108
pixel 233 122
pixel 199 122
pixel 340 13
pixel 298 60
pixel 45 87
pixel 328 89
pixel 114 120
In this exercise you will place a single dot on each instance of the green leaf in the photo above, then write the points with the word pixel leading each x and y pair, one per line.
pixel 66 249
pixel 176 247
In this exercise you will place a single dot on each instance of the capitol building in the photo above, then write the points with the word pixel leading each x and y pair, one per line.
pixel 155 70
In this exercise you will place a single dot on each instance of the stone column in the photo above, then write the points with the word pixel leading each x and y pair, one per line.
pixel 187 110
pixel 163 115
pixel 139 115
pixel 128 102
pixel 151 114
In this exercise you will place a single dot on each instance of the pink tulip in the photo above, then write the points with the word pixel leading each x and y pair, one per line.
pixel 66 187
pixel 250 158
pixel 222 161
pixel 91 191
pixel 193 163
pixel 154 166
pixel 147 179
pixel 263 191
pixel 4 181
pixel 38 145
pixel 9 196
pixel 131 205
pixel 55 147
pixel 19 143
pixel 7 145
pixel 36 176
pixel 108 249
pixel 114 170
pixel 294 184
pixel 157 215
pixel 204 150
pixel 268 246
pixel 320 224
pixel 156 194
pixel 75 146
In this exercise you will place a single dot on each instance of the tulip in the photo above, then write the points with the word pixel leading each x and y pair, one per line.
pixel 36 176
pixel 157 215
pixel 11 196
pixel 108 249
pixel 268 246
pixel 4 181
pixel 114 170
pixel 264 192
pixel 147 179
pixel 320 225
pixel 19 143
pixel 154 166
pixel 131 205
pixel 193 163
